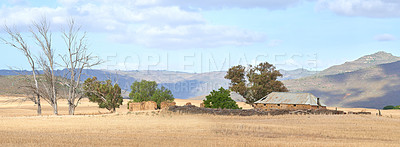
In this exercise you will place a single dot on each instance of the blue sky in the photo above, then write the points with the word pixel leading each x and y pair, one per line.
pixel 212 35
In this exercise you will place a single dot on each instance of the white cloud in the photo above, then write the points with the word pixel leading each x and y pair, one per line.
pixel 196 4
pixel 385 37
pixel 148 23
pixel 21 16
pixel 367 8
pixel 218 4
pixel 189 36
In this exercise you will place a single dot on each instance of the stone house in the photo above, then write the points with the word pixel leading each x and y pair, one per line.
pixel 289 101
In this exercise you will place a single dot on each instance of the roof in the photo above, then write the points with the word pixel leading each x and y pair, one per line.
pixel 289 98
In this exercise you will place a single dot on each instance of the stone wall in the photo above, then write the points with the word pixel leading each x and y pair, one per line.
pixel 141 106
pixel 286 107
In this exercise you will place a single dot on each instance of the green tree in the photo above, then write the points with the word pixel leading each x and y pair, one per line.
pixel 149 91
pixel 104 93
pixel 397 107
pixel 161 95
pixel 142 91
pixel 388 107
pixel 220 99
pixel 255 82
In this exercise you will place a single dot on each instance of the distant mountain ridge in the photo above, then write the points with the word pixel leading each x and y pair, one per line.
pixel 296 74
pixel 182 85
pixel 363 62
pixel 368 84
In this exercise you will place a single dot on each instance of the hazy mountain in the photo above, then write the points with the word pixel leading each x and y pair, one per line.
pixel 363 62
pixel 182 85
pixel 374 86
pixel 185 85
pixel 296 74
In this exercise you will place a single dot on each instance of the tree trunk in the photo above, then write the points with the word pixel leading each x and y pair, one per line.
pixel 54 90
pixel 71 98
pixel 71 109
pixel 39 109
pixel 55 108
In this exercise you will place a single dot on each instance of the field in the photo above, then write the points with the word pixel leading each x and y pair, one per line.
pixel 20 127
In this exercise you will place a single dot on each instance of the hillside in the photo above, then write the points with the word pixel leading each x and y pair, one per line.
pixel 373 87
pixel 12 85
pixel 18 85
pixel 363 62
pixel 296 74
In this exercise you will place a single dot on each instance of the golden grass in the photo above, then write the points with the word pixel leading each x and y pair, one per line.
pixel 154 128
pixel 28 108
pixel 160 129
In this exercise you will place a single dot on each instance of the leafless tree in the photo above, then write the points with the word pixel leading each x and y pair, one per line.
pixel 18 42
pixel 42 35
pixel 75 61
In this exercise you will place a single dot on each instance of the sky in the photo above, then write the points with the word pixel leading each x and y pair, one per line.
pixel 211 35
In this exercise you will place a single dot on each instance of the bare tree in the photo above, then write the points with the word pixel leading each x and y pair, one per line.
pixel 18 42
pixel 42 35
pixel 75 61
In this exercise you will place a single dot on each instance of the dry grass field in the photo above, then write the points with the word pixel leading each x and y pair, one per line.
pixel 19 127
pixel 10 107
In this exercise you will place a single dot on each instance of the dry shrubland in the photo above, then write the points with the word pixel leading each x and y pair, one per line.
pixel 153 128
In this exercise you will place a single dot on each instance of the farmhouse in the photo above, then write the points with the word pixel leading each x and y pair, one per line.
pixel 289 101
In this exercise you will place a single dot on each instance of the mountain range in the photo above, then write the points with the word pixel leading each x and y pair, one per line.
pixel 371 81
pixel 182 85
pixel 363 62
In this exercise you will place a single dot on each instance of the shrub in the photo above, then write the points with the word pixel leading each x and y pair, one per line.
pixel 104 93
pixel 220 99
pixel 388 107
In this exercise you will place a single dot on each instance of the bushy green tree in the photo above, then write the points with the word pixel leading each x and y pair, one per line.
pixel 388 107
pixel 104 93
pixel 255 82
pixel 142 91
pixel 161 95
pixel 220 99
pixel 149 91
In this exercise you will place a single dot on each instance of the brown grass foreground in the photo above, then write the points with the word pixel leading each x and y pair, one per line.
pixel 166 129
